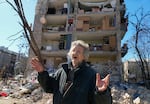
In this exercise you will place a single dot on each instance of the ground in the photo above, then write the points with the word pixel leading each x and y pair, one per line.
pixel 47 99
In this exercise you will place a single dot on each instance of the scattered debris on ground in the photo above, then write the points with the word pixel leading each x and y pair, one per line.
pixel 20 90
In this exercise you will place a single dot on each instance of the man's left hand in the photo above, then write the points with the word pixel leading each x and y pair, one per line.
pixel 102 84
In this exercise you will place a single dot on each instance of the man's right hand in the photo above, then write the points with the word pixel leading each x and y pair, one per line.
pixel 35 63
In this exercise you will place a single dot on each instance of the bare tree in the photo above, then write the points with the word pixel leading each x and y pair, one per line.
pixel 140 42
pixel 27 29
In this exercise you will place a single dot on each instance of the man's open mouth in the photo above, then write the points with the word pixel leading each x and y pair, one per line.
pixel 74 57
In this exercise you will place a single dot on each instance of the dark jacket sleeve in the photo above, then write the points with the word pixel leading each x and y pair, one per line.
pixel 103 97
pixel 100 97
pixel 48 83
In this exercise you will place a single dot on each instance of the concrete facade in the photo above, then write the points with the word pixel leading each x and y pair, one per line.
pixel 7 59
pixel 101 23
pixel 132 71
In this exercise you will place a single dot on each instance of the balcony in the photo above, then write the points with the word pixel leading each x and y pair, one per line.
pixel 95 8
pixel 93 35
pixel 93 1
pixel 60 6
pixel 102 53
pixel 95 22
pixel 55 36
pixel 59 53
pixel 56 19
pixel 63 53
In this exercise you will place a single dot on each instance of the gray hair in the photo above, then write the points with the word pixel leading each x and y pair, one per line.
pixel 82 44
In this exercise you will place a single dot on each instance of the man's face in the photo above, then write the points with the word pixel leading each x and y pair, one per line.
pixel 76 55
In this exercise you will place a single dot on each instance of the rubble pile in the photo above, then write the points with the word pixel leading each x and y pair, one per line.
pixel 20 90
pixel 130 94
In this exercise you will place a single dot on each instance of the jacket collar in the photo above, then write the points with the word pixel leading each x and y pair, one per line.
pixel 80 68
pixel 81 65
pixel 67 67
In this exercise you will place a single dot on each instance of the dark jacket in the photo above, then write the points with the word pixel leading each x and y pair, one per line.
pixel 81 90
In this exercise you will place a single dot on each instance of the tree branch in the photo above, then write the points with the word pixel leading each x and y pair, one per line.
pixel 27 29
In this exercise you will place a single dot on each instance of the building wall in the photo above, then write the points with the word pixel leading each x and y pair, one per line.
pixel 57 23
pixel 12 62
pixel 7 59
pixel 132 72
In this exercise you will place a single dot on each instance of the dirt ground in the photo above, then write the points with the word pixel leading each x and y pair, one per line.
pixel 9 100
pixel 47 99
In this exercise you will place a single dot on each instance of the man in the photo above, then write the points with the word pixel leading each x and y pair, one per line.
pixel 77 82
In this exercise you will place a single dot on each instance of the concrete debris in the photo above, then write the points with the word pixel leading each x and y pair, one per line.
pixel 137 101
pixel 130 94
pixel 20 90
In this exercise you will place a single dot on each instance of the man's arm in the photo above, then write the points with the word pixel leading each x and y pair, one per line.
pixel 103 92
pixel 48 83
pixel 103 97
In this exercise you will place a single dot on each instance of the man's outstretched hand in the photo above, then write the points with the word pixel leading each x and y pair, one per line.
pixel 102 84
pixel 35 63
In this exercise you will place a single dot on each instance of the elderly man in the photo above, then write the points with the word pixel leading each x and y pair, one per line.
pixel 76 82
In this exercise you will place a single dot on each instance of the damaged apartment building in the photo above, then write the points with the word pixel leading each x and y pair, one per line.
pixel 101 23
pixel 11 63
pixel 7 60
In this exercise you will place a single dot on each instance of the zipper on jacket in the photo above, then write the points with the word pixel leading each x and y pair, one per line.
pixel 67 89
